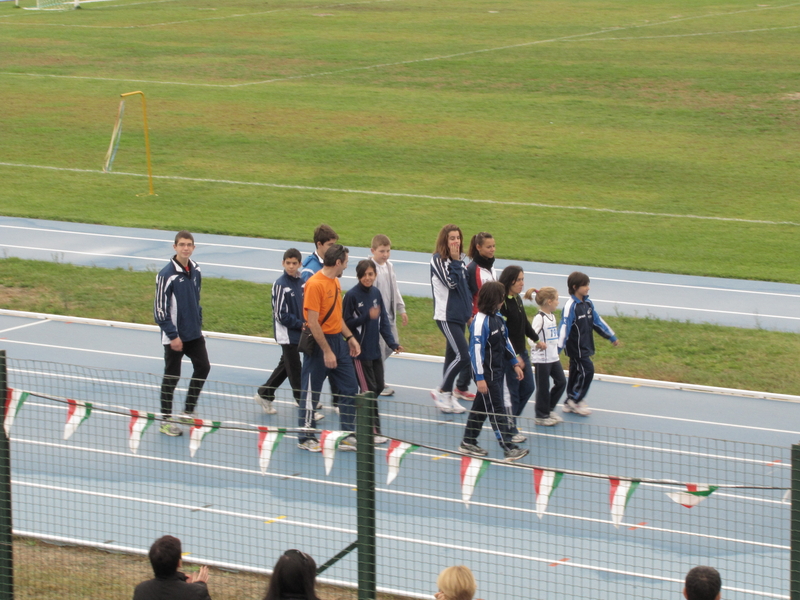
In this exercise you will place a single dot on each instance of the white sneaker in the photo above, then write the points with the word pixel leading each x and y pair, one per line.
pixel 318 416
pixel 441 400
pixel 518 438
pixel 579 408
pixel 266 405
pixel 387 391
pixel 557 417
pixel 455 406
pixel 379 439
pixel 546 421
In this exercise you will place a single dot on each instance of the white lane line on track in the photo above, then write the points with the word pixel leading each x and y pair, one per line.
pixel 703 310
pixel 168 241
pixel 250 516
pixel 22 326
pixel 404 195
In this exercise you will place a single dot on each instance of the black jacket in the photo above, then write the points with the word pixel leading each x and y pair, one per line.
pixel 173 587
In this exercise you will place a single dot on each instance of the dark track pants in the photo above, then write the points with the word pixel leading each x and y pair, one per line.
pixel 197 353
pixel 547 397
pixel 581 373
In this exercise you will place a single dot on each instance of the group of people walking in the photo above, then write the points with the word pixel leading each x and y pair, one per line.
pixel 347 339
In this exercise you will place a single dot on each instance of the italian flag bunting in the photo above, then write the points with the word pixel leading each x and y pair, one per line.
pixel 394 456
pixel 544 483
pixel 621 492
pixel 472 469
pixel 329 440
pixel 14 401
pixel 77 413
pixel 267 442
pixel 139 423
pixel 693 495
pixel 198 432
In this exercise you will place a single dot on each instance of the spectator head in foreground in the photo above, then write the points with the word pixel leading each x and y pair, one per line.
pixel 456 583
pixel 702 583
pixel 165 556
pixel 294 576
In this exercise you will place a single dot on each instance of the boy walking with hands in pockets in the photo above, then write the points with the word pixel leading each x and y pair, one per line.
pixel 386 282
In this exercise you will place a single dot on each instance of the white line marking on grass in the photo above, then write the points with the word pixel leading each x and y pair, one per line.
pixel 405 195
pixel 406 62
pixel 683 35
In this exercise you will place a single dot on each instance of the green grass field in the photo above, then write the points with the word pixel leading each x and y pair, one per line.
pixel 658 136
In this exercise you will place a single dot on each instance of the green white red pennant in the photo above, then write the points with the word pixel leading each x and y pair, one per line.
pixel 620 495
pixel 77 413
pixel 394 457
pixel 14 401
pixel 139 423
pixel 199 431
pixel 268 440
pixel 329 440
pixel 693 495
pixel 544 484
pixel 472 469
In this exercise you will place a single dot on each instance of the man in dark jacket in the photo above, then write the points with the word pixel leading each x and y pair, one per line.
pixel 178 313
pixel 169 583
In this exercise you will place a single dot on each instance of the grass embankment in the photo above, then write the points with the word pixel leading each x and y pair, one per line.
pixel 557 110
pixel 653 349
pixel 47 572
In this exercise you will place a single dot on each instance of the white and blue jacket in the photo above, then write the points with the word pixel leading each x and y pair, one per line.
pixel 452 298
pixel 575 330
pixel 489 347
pixel 177 309
pixel 287 309
pixel 357 304
pixel 311 264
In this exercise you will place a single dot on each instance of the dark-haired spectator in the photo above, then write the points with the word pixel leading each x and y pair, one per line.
pixel 287 320
pixel 169 583
pixel 702 583
pixel 293 577
pixel 324 238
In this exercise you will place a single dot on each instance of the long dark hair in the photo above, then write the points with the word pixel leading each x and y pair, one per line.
pixel 477 240
pixel 509 276
pixel 294 573
pixel 442 247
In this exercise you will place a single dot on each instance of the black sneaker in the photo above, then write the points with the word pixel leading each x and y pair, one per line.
pixel 515 454
pixel 472 449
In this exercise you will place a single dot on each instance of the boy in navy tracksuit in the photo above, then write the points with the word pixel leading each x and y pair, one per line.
pixel 178 313
pixel 365 315
pixel 489 352
pixel 287 320
pixel 575 337
pixel 324 238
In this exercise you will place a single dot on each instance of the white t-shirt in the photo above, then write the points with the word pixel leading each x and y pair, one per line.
pixel 546 328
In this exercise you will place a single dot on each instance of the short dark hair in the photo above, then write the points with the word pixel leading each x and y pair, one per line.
pixel 492 293
pixel 293 253
pixel 363 266
pixel 183 235
pixel 703 583
pixel 334 253
pixel 295 573
pixel 575 280
pixel 324 233
pixel 165 555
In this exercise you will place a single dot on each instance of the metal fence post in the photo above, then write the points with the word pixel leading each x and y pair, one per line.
pixel 794 563
pixel 365 478
pixel 6 540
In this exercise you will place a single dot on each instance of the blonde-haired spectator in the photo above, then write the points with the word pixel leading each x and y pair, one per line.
pixel 456 583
